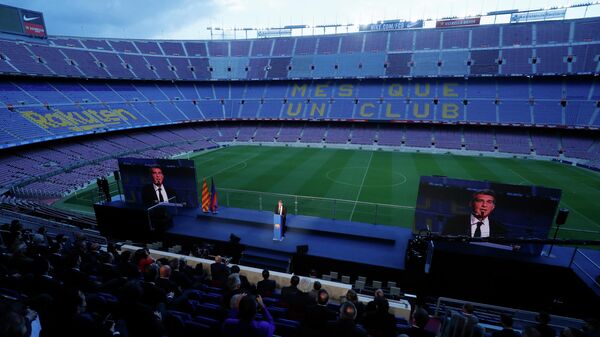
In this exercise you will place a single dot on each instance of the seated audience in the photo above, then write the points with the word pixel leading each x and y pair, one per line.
pixel 345 325
pixel 219 272
pixel 543 327
pixel 178 276
pixel 246 324
pixel 294 298
pixel 234 305
pixel 463 323
pixel 377 295
pixel 378 321
pixel 531 332
pixel 591 327
pixel 507 327
pixel 245 285
pixel 312 294
pixel 232 287
pixel 420 319
pixel 361 308
pixel 12 323
pixel 164 282
pixel 317 316
pixel 266 287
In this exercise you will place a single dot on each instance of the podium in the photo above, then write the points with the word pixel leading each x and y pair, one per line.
pixel 277 227
pixel 160 216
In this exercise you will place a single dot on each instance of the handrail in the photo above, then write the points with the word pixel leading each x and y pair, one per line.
pixel 51 224
pixel 587 258
pixel 317 198
pixel 573 264
pixel 527 317
pixel 586 273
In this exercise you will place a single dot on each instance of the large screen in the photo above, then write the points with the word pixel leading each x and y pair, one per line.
pixel 150 181
pixel 22 21
pixel 483 209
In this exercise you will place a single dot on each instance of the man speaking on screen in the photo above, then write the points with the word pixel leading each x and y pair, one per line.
pixel 157 192
pixel 477 224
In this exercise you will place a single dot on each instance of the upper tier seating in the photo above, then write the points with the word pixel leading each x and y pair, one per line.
pixel 539 48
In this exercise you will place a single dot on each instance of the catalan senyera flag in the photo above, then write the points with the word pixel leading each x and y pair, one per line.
pixel 214 205
pixel 205 197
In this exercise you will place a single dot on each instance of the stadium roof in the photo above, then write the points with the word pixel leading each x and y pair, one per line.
pixel 189 19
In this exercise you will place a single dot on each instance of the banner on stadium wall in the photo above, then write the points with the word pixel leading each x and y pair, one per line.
pixel 33 23
pixel 274 32
pixel 391 25
pixel 550 14
pixel 457 22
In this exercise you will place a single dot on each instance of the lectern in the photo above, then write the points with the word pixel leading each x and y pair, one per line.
pixel 277 227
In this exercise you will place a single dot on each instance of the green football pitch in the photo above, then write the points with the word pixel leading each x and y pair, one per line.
pixel 372 186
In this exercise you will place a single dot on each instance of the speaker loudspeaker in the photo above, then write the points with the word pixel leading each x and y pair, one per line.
pixel 302 249
pixel 562 215
pixel 234 238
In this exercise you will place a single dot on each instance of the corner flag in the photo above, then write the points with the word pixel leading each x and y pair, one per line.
pixel 205 197
pixel 213 197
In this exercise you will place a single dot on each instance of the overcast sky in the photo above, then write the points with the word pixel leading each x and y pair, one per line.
pixel 188 19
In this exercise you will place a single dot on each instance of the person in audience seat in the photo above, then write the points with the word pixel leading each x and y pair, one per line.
pixel 246 324
pixel 219 272
pixel 317 315
pixel 266 287
pixel 232 288
pixel 294 298
pixel 463 323
pixel 543 319
pixel 164 282
pixel 420 319
pixel 345 325
pixel 246 286
pixel 361 308
pixel 507 327
pixel 314 292
pixel 378 321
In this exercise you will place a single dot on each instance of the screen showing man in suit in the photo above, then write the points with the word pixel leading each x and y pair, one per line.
pixel 281 210
pixel 151 181
pixel 156 191
pixel 477 223
pixel 485 209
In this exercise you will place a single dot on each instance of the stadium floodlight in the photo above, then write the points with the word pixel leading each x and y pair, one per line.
pixel 245 30
pixel 330 25
pixel 295 27
pixel 216 28
pixel 335 26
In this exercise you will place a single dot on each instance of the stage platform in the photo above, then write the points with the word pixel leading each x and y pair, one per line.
pixel 353 248
pixel 375 245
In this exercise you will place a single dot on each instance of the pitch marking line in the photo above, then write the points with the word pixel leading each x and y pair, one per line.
pixel 230 167
pixel 361 185
pixel 564 203
pixel 329 174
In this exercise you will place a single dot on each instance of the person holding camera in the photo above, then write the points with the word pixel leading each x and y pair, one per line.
pixel 246 324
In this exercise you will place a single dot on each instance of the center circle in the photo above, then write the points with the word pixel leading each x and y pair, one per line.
pixel 351 172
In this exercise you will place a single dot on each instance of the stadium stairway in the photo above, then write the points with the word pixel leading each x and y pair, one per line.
pixel 264 258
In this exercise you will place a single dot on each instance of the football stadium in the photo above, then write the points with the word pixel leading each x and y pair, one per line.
pixel 437 177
